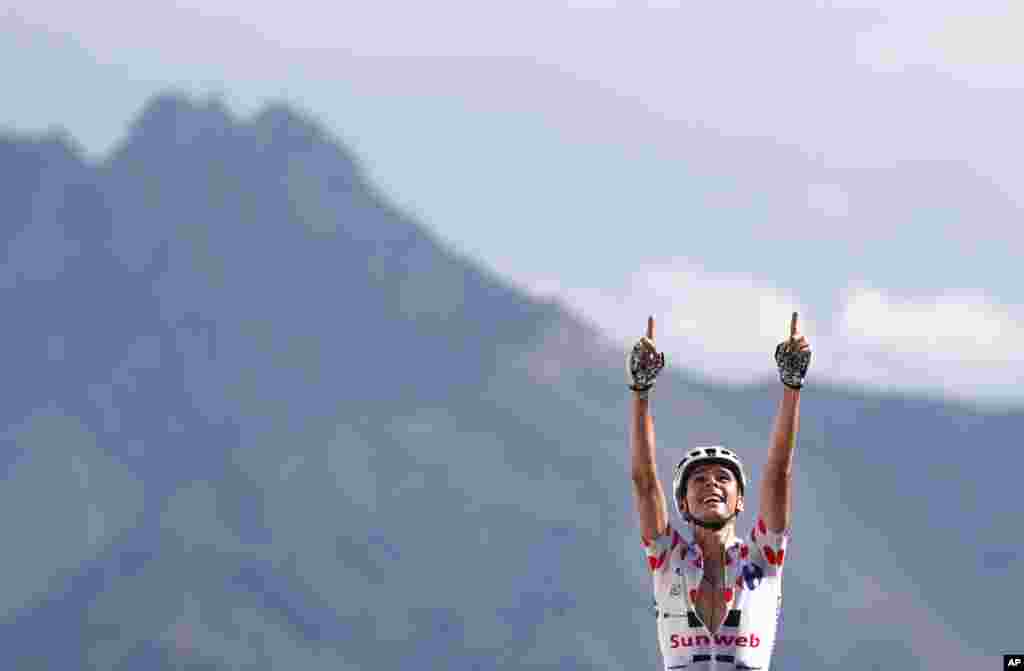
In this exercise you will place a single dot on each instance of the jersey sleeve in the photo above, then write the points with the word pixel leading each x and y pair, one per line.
pixel 769 547
pixel 659 549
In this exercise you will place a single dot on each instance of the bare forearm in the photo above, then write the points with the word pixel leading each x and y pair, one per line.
pixel 787 424
pixel 644 463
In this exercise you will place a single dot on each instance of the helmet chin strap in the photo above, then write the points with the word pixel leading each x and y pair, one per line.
pixel 714 526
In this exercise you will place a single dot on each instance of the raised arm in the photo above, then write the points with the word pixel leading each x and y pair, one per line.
pixel 647 490
pixel 776 480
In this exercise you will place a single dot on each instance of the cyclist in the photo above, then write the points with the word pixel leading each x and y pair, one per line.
pixel 717 596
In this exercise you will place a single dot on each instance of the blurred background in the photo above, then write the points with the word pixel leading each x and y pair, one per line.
pixel 316 318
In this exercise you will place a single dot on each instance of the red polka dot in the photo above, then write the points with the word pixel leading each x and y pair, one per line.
pixel 744 552
pixel 781 553
pixel 760 525
pixel 753 535
pixel 728 595
pixel 728 560
pixel 769 554
pixel 693 595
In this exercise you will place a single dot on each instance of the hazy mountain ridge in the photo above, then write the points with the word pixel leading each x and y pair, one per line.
pixel 249 331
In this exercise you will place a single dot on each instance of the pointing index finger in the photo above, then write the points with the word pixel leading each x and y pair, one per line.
pixel 650 328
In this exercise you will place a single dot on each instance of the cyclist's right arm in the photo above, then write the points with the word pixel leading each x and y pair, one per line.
pixel 647 491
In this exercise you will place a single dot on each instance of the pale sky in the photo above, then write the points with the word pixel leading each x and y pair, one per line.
pixel 716 166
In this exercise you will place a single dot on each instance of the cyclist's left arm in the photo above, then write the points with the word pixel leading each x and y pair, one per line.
pixel 792 358
pixel 777 477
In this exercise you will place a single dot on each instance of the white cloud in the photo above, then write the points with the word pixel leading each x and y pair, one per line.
pixel 959 326
pixel 828 200
pixel 956 344
pixel 977 42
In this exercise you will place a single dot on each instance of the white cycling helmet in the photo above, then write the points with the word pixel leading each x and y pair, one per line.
pixel 714 454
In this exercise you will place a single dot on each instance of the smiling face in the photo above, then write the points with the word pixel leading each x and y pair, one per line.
pixel 712 493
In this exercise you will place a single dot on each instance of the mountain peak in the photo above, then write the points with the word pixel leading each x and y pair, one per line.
pixel 281 127
pixel 177 107
pixel 172 121
pixel 174 117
